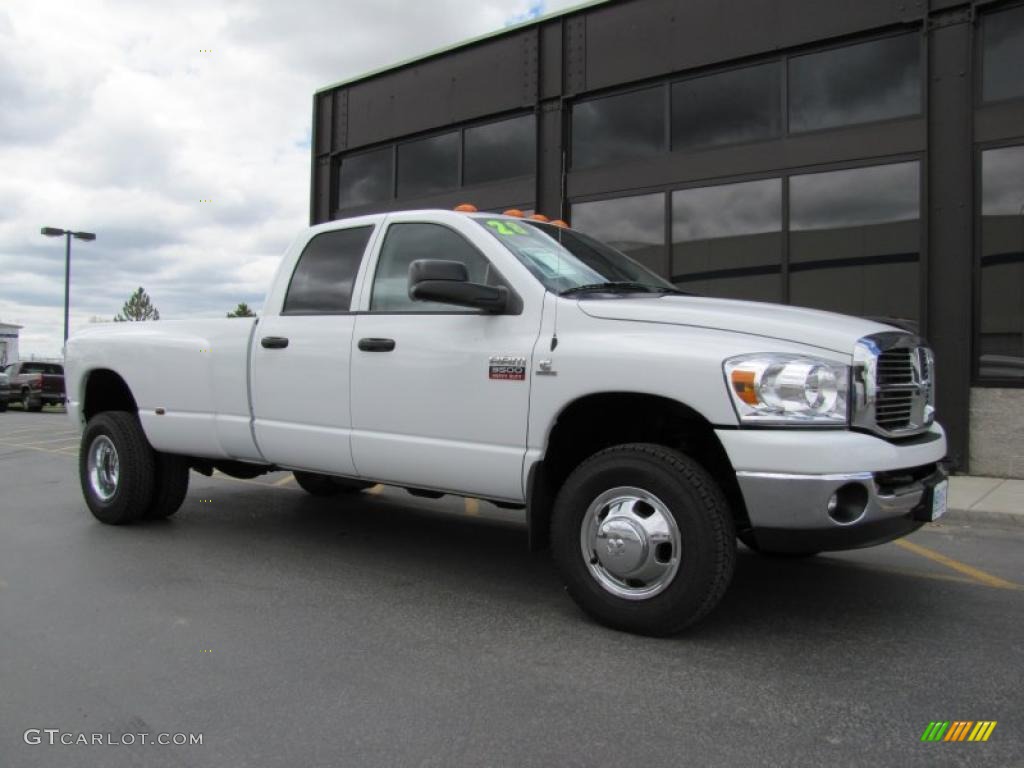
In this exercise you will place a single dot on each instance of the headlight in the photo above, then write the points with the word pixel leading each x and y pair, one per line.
pixel 788 390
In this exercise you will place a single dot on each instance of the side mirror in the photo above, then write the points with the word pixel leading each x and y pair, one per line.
pixel 447 282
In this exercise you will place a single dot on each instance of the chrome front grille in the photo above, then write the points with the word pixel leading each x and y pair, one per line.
pixel 893 385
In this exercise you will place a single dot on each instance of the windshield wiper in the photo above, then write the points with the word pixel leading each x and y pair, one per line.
pixel 625 286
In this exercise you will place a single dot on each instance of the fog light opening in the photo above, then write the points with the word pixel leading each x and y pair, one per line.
pixel 848 504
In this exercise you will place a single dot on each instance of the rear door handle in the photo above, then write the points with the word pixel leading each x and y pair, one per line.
pixel 274 342
pixel 376 345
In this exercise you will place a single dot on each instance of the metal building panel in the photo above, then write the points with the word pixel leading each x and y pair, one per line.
pixel 997 122
pixel 339 136
pixel 649 38
pixel 950 217
pixel 551 60
pixel 481 80
pixel 322 187
pixel 550 158
pixel 893 138
pixel 574 42
pixel 323 123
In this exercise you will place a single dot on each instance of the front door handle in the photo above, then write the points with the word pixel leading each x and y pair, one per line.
pixel 274 342
pixel 376 345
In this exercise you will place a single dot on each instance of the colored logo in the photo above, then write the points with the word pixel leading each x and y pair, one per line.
pixel 959 730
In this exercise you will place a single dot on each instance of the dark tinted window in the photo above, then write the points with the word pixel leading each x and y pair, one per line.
pixel 857 84
pixel 365 178
pixel 727 240
pixel 855 239
pixel 1001 332
pixel 618 128
pixel 633 225
pixel 501 150
pixel 404 244
pixel 428 165
pixel 741 105
pixel 322 281
pixel 1003 55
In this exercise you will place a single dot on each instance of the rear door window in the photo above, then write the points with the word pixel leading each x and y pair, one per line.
pixel 325 273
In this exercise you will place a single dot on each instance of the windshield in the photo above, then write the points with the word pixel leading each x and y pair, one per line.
pixel 568 261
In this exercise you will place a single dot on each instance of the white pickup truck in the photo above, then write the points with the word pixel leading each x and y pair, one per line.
pixel 640 429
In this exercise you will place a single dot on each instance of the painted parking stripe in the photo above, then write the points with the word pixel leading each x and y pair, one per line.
pixel 977 574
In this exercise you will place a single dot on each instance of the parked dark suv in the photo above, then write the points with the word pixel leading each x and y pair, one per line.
pixel 33 384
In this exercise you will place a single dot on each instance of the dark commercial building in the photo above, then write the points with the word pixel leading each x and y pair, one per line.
pixel 864 157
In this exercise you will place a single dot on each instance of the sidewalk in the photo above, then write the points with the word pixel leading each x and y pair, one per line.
pixel 986 499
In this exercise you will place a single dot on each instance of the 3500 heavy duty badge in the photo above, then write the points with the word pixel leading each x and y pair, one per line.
pixel 507 368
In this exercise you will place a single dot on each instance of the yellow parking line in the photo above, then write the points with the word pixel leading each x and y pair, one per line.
pixel 36 431
pixel 4 444
pixel 375 489
pixel 977 574
pixel 472 507
pixel 69 439
pixel 289 478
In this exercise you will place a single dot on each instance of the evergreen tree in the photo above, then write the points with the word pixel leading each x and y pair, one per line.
pixel 138 307
pixel 242 310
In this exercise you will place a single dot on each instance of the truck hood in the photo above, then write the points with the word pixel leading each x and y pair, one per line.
pixel 813 327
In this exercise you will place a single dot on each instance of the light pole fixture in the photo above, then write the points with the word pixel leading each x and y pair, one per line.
pixel 68 234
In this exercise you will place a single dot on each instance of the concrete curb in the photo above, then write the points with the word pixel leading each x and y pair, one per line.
pixel 989 516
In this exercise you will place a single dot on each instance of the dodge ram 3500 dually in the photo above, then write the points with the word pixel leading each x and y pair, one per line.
pixel 640 429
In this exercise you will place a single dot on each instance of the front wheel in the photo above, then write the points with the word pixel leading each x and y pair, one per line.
pixel 643 538
pixel 116 467
pixel 326 485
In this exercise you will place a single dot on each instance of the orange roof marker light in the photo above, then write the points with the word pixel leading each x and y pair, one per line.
pixel 540 217
pixel 515 213
pixel 466 208
pixel 559 223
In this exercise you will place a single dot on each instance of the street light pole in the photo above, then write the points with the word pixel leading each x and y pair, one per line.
pixel 67 282
pixel 67 234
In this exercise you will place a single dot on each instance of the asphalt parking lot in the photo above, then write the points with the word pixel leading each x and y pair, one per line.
pixel 386 630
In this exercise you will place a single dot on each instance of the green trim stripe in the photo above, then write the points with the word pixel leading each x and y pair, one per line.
pixel 935 730
pixel 462 44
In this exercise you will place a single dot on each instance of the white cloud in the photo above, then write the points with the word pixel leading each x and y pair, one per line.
pixel 117 121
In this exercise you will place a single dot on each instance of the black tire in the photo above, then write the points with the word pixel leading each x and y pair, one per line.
pixel 170 486
pixel 752 545
pixel 136 476
pixel 701 514
pixel 3 406
pixel 26 403
pixel 326 485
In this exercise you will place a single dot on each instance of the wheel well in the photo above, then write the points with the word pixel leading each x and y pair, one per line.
pixel 106 391
pixel 596 422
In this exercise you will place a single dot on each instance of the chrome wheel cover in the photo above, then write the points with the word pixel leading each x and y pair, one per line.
pixel 630 543
pixel 103 467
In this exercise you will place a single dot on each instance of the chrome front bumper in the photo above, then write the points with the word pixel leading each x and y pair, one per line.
pixel 791 511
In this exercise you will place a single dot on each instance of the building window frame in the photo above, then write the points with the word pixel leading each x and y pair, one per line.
pixel 917 29
pixel 978 57
pixel 920 157
pixel 977 380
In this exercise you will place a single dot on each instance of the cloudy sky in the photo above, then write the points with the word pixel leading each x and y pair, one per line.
pixel 115 119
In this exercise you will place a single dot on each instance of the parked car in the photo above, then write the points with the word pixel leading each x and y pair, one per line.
pixel 5 381
pixel 33 384
pixel 639 429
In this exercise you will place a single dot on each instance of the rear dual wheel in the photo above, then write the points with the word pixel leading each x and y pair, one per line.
pixel 123 479
pixel 643 538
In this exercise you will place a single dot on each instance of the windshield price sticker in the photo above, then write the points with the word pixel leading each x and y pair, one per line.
pixel 507 228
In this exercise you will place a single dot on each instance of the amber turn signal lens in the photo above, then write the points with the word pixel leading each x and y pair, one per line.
pixel 540 217
pixel 743 384
pixel 515 213
pixel 559 223
pixel 466 208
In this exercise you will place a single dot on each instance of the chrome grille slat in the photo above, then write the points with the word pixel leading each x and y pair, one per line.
pixel 893 385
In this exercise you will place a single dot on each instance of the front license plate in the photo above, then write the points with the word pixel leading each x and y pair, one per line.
pixel 940 497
